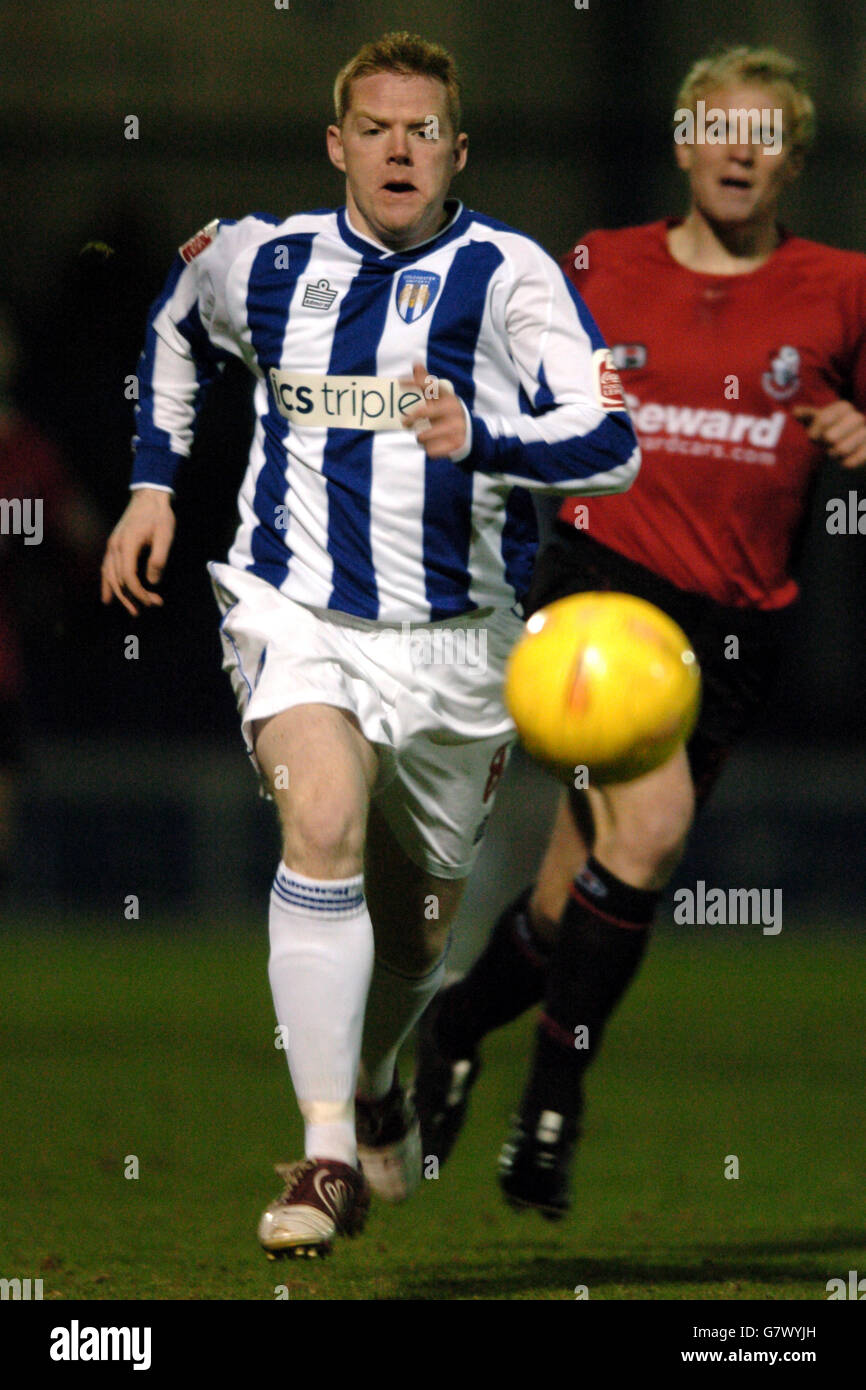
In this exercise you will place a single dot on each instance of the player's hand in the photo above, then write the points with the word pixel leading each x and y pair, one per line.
pixel 839 427
pixel 147 521
pixel 444 431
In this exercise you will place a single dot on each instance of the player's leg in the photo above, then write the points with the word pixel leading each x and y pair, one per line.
pixel 320 766
pixel 507 978
pixel 320 770
pixel 640 832
pixel 641 829
pixel 582 962
pixel 571 841
pixel 453 753
pixel 412 910
pixel 511 973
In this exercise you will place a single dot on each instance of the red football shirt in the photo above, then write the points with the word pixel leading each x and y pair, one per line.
pixel 711 366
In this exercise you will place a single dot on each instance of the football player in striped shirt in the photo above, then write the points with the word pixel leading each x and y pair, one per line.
pixel 743 354
pixel 419 371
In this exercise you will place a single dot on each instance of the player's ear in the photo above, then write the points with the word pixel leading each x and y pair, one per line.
pixel 683 155
pixel 461 151
pixel 334 141
pixel 794 165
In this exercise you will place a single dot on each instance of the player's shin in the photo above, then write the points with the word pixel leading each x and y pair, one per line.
pixel 602 938
pixel 320 965
pixel 507 978
pixel 395 1003
pixel 389 1134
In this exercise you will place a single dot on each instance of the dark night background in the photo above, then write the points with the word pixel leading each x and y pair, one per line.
pixel 568 114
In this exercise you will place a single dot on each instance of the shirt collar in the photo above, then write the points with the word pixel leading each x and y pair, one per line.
pixel 458 218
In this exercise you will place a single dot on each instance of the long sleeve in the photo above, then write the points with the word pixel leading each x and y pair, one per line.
pixel 575 434
pixel 180 358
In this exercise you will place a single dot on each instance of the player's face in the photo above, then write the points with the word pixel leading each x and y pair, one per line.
pixel 737 184
pixel 399 155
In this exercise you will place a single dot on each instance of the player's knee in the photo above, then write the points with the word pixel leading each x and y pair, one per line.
pixel 320 837
pixel 548 901
pixel 649 838
pixel 417 953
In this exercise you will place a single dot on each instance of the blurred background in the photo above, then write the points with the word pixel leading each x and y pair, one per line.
pixel 134 778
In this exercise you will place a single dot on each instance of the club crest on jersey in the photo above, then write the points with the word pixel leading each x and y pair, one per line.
pixel 416 290
pixel 628 356
pixel 199 242
pixel 783 378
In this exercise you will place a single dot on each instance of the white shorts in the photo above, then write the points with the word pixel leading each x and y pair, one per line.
pixel 427 695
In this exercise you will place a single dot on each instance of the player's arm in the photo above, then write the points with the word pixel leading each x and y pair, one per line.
pixel 579 437
pixel 182 353
pixel 840 426
pixel 147 523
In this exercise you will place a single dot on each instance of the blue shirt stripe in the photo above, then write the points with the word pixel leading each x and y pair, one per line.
pixel 348 457
pixel 453 339
pixel 587 322
pixel 519 540
pixel 154 461
pixel 269 295
pixel 600 451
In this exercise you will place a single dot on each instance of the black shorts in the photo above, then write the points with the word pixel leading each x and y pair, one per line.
pixel 734 690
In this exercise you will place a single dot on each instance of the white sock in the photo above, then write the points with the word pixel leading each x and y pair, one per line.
pixel 394 1005
pixel 320 964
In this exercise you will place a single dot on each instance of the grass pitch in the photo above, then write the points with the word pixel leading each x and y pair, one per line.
pixel 125 1046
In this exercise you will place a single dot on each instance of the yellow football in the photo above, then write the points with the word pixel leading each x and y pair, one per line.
pixel 604 681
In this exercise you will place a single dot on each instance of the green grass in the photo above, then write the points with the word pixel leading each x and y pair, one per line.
pixel 121 1042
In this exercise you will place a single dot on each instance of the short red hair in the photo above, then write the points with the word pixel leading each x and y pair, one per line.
pixel 406 54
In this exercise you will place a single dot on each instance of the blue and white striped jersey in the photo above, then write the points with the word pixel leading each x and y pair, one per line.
pixel 340 508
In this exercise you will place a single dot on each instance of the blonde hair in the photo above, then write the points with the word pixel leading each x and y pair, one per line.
pixel 406 54
pixel 766 66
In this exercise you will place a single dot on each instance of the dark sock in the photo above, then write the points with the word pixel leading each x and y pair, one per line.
pixel 508 976
pixel 602 937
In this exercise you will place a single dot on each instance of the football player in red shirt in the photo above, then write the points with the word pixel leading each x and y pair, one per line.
pixel 742 351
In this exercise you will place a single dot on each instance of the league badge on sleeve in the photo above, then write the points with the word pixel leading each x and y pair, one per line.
pixel 608 386
pixel 416 290
pixel 199 242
